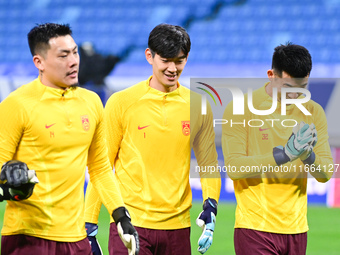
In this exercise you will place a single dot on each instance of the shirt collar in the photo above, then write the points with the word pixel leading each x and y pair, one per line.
pixel 175 92
pixel 49 92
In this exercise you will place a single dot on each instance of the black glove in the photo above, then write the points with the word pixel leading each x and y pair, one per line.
pixel 22 192
pixel 15 173
pixel 20 181
pixel 92 231
pixel 126 231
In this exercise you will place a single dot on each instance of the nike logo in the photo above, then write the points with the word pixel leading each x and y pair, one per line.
pixel 139 128
pixel 263 129
pixel 50 125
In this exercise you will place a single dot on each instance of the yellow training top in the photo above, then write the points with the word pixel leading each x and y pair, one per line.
pixel 273 201
pixel 150 135
pixel 57 133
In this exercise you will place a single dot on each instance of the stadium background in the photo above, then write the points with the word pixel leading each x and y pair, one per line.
pixel 230 38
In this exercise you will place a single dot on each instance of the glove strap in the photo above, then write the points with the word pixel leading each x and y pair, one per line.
pixel 310 160
pixel 121 214
pixel 280 156
pixel 210 203
pixel 91 229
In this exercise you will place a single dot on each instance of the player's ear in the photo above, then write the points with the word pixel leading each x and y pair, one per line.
pixel 270 74
pixel 148 56
pixel 38 62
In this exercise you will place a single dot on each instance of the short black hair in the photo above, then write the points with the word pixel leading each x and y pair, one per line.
pixel 39 36
pixel 293 59
pixel 168 40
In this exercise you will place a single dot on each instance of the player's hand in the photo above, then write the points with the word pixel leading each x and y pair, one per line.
pixel 297 144
pixel 16 173
pixel 92 231
pixel 24 191
pixel 20 193
pixel 206 220
pixel 126 231
pixel 20 181
pixel 299 141
pixel 308 155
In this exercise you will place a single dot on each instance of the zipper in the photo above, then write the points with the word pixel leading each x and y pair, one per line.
pixel 69 122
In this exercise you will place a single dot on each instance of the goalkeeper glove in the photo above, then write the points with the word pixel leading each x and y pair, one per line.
pixel 16 172
pixel 308 156
pixel 297 144
pixel 126 231
pixel 206 220
pixel 20 181
pixel 92 231
pixel 22 192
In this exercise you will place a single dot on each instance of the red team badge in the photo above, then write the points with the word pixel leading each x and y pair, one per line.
pixel 186 127
pixel 85 122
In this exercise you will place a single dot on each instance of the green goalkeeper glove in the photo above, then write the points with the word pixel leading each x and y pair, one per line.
pixel 299 141
pixel 206 220
pixel 308 156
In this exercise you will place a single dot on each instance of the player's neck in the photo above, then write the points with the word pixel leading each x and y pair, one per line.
pixel 161 87
pixel 269 89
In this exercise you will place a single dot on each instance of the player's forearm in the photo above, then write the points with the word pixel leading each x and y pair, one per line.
pixel 322 169
pixel 92 204
pixel 211 187
pixel 100 171
pixel 321 166
pixel 240 167
pixel 106 186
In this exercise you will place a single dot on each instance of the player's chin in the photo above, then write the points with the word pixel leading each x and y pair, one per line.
pixel 72 82
pixel 74 85
pixel 171 82
pixel 170 85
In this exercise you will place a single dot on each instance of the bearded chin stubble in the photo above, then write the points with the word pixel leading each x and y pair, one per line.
pixel 73 86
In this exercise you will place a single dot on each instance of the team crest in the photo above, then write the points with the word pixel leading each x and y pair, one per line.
pixel 186 127
pixel 85 122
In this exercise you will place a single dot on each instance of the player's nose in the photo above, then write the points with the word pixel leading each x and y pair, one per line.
pixel 172 67
pixel 293 95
